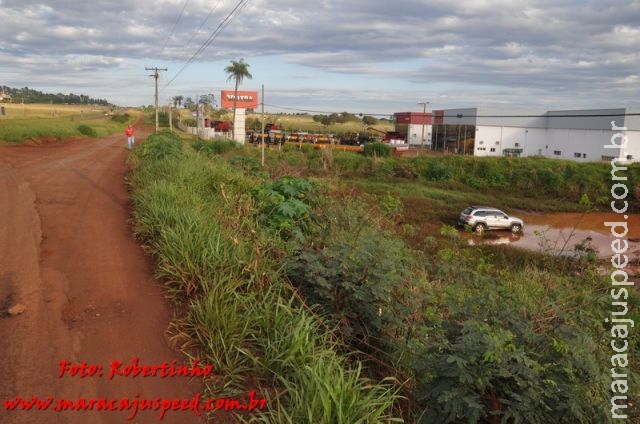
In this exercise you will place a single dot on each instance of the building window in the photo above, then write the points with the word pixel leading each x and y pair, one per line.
pixel 608 158
pixel 493 149
pixel 629 157
pixel 557 152
pixel 577 155
pixel 584 156
pixel 481 148
pixel 517 144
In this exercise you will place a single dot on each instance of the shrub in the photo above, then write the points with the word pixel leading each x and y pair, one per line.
pixel 360 280
pixel 87 130
pixel 121 118
pixel 377 149
pixel 285 205
pixel 215 147
pixel 351 163
pixel 162 145
pixel 437 171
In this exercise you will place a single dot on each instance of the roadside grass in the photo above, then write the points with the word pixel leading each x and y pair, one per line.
pixel 38 123
pixel 342 306
pixel 197 217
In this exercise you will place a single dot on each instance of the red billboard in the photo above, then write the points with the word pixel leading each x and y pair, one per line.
pixel 246 99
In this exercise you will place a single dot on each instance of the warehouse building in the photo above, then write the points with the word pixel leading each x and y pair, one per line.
pixel 581 135
pixel 415 126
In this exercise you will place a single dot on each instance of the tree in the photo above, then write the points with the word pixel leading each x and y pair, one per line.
pixel 237 71
pixel 369 120
pixel 177 101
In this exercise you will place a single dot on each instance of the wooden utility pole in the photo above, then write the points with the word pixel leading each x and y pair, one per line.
pixel 156 76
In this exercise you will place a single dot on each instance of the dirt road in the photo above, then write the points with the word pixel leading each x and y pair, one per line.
pixel 84 288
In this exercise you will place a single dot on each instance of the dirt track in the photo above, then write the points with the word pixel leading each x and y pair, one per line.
pixel 67 256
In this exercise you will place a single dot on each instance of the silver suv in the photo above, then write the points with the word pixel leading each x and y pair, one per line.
pixel 481 218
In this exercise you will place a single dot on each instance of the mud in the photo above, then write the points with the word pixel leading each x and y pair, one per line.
pixel 559 233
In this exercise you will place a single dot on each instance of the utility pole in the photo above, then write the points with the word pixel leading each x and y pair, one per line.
pixel 424 117
pixel 156 76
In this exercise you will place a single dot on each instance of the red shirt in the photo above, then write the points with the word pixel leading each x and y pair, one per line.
pixel 129 131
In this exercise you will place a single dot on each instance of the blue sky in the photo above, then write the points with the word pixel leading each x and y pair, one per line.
pixel 363 56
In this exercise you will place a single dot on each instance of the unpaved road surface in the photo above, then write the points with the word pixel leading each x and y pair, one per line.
pixel 83 286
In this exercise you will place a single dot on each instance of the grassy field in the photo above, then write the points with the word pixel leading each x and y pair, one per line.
pixel 23 111
pixel 41 122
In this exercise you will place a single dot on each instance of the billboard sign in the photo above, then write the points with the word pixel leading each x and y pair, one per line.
pixel 246 99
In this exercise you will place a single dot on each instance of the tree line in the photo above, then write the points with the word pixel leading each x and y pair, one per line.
pixel 29 95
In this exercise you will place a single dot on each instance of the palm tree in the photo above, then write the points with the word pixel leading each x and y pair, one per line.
pixel 177 101
pixel 237 71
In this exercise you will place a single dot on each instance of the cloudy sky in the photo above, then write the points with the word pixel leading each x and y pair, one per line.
pixel 361 56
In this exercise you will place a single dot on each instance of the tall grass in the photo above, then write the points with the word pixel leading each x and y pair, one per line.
pixel 196 216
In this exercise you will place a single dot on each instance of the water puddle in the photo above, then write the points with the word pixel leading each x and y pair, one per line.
pixel 560 233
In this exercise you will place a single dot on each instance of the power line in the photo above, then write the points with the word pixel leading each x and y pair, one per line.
pixel 461 115
pixel 320 111
pixel 174 26
pixel 204 21
pixel 223 24
pixel 563 115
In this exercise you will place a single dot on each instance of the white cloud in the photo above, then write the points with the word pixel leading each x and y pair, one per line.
pixel 474 51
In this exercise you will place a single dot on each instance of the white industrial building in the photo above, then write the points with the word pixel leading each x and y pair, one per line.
pixel 581 135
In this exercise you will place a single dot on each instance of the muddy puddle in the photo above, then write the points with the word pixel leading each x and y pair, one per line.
pixel 560 233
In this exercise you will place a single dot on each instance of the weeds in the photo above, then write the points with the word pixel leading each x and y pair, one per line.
pixel 198 217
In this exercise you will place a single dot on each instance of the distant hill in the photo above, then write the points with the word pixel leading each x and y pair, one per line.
pixel 28 95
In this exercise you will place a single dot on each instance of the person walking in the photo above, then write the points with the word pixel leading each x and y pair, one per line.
pixel 130 137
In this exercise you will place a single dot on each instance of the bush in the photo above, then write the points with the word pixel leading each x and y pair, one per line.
pixel 121 118
pixel 377 149
pixel 87 130
pixel 215 147
pixel 161 145
pixel 351 163
pixel 360 280
pixel 285 206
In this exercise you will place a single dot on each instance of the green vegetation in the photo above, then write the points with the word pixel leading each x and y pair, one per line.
pixel 29 95
pixel 87 130
pixel 377 149
pixel 42 122
pixel 336 286
pixel 215 147
pixel 202 221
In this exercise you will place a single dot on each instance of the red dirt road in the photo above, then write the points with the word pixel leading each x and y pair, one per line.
pixel 67 256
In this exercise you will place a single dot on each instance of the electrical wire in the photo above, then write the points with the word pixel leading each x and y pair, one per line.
pixel 223 24
pixel 460 115
pixel 174 26
pixel 204 21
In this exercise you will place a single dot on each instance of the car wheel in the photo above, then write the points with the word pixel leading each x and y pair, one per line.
pixel 516 228
pixel 479 228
